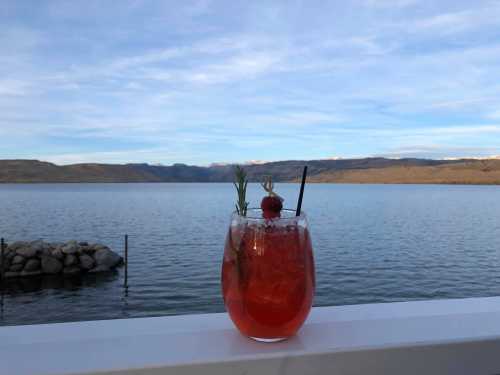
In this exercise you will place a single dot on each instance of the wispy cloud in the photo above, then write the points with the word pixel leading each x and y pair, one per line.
pixel 202 82
pixel 442 152
pixel 389 3
pixel 13 87
pixel 461 21
pixel 116 157
pixel 494 115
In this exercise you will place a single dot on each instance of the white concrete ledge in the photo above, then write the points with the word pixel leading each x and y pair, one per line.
pixel 428 337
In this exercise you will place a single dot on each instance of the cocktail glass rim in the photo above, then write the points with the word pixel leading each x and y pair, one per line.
pixel 287 216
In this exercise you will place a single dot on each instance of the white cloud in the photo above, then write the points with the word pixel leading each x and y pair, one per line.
pixel 494 115
pixel 389 3
pixel 237 68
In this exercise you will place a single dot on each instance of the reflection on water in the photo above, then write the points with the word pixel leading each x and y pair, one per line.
pixel 74 282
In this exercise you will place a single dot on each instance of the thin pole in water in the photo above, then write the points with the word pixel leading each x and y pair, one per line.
pixel 126 262
pixel 2 270
pixel 2 259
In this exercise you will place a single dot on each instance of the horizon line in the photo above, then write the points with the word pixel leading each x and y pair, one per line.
pixel 261 162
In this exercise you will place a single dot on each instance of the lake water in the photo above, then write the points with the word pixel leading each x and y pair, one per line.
pixel 372 243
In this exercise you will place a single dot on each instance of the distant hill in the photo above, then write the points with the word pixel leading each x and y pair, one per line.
pixel 368 170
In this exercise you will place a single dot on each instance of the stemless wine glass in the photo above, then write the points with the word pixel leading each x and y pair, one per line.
pixel 268 276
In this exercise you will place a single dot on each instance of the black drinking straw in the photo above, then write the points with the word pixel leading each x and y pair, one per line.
pixel 301 194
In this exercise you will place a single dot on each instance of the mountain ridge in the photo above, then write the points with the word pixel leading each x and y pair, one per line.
pixel 364 170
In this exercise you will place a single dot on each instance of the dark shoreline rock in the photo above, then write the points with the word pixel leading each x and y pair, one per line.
pixel 51 265
pixel 28 259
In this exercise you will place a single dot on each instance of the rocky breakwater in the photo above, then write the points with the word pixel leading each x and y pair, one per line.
pixel 23 259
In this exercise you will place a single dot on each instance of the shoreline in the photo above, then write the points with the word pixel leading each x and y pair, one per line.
pixel 252 182
pixel 358 171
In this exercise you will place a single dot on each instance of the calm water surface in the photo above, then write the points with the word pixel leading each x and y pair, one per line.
pixel 372 243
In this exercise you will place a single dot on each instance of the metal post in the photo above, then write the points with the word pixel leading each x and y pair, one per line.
pixel 2 271
pixel 126 262
pixel 2 258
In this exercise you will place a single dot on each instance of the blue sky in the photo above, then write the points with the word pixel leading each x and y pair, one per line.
pixel 231 81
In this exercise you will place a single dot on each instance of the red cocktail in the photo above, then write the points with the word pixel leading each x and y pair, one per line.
pixel 268 274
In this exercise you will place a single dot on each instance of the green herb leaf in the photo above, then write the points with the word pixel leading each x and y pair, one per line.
pixel 240 183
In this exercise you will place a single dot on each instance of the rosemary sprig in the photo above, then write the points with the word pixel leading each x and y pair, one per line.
pixel 236 245
pixel 240 183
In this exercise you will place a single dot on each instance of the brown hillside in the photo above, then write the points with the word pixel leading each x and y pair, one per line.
pixel 466 172
pixel 368 170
